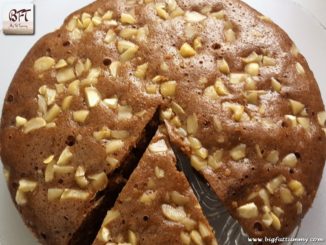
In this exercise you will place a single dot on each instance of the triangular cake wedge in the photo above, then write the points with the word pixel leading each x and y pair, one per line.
pixel 157 205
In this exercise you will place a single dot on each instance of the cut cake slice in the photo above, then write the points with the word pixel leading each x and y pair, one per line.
pixel 157 205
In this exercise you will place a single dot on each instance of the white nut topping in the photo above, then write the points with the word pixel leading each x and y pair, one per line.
pixel 238 77
pixel 267 219
pixel 217 15
pixel 292 120
pixel 97 20
pixel 24 187
pixel 159 146
pixel 297 188
pixel 248 211
pixel 198 163
pixel 27 185
pixel 108 15
pixel 286 195
pixel 174 214
pixel 276 222
pixel 276 85
pixel 127 19
pixel 43 64
pixel 65 75
pixel 196 238
pixel 304 122
pixel 119 134
pixel 34 124
pixel 177 108
pixel 73 88
pixel 80 177
pixel 49 172
pixel 221 88
pixel 290 160
pixel 65 156
pixel 128 33
pixel 321 116
pixel 202 153
pixel 223 66
pixel 300 68
pixel 80 116
pixel 238 152
pixel 110 216
pixel 273 157
pixel 230 35
pixel 52 113
pixel 114 68
pixel 132 238
pixel 93 96
pixel 268 61
pixel 178 199
pixel 194 17
pixel 278 211
pixel 204 230
pixel 141 71
pixel 166 114
pixel 54 193
pixel 60 64
pixel 104 235
pixel 192 124
pixel 113 146
pixel 112 103
pixel 124 112
pixel 66 103
pixel 148 197
pixel 110 36
pixel 20 121
pixel 252 69
pixel 215 160
pixel 296 106
pixel 264 196
pixel 129 54
pixel 63 170
pixel 168 88
pixel 275 183
pixel 6 173
pixel 185 238
pixel 195 144
pixel 211 93
pixel 42 105
pixel 99 181
pixel 187 51
pixel 299 207
pixel 197 43
pixel 92 77
pixel 71 194
pixel 253 58
pixel 159 173
pixel 161 11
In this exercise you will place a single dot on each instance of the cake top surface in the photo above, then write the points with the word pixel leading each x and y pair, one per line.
pixel 236 95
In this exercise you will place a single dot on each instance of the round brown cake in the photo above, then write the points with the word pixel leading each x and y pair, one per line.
pixel 233 90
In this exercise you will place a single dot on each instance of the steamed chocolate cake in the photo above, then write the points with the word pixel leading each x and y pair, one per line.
pixel 236 96
pixel 157 205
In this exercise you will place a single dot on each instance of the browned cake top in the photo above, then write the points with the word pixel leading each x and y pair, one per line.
pixel 157 205
pixel 235 93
